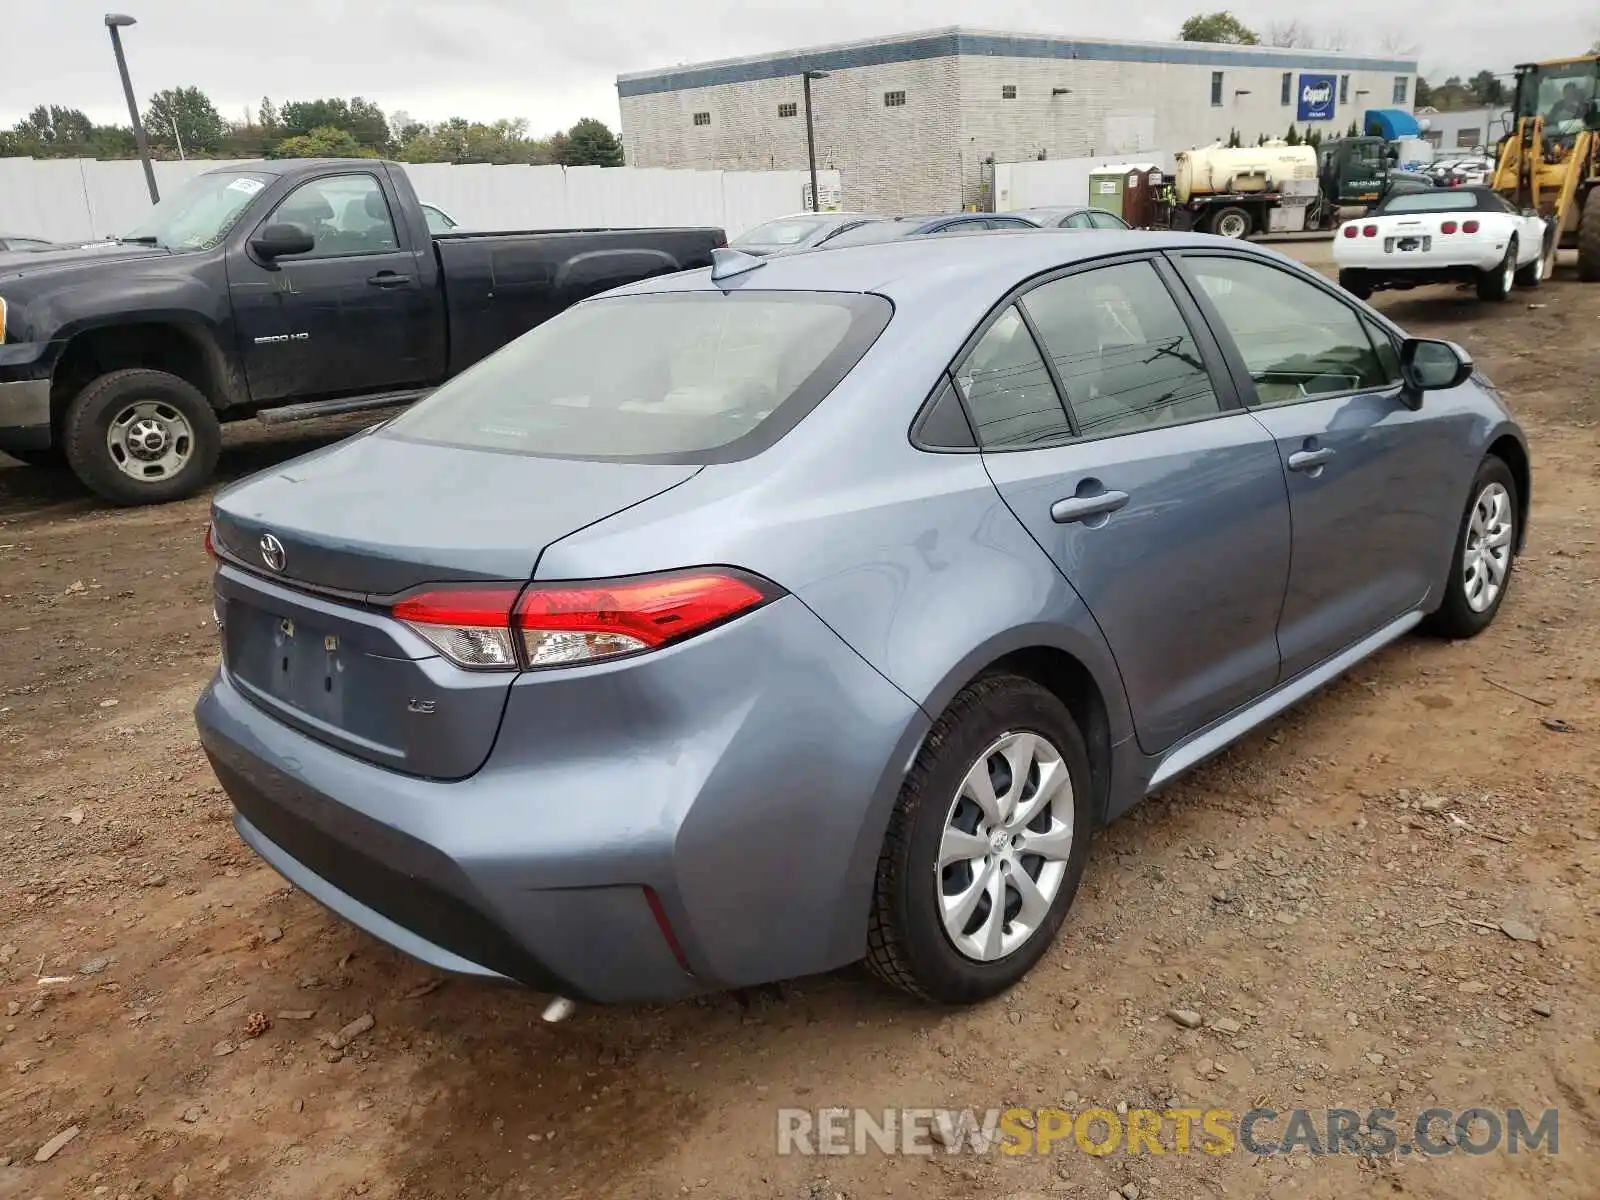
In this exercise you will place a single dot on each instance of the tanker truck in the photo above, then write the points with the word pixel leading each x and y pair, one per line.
pixel 1242 190
pixel 1278 188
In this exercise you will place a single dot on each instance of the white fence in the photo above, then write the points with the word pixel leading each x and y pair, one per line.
pixel 78 199
pixel 1058 181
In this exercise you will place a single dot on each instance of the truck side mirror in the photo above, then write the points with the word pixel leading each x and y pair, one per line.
pixel 278 241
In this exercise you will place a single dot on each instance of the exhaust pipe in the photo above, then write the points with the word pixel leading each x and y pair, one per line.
pixel 559 1009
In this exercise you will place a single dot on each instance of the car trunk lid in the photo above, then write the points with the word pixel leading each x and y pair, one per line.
pixel 314 553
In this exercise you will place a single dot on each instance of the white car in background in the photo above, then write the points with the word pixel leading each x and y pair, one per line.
pixel 1443 235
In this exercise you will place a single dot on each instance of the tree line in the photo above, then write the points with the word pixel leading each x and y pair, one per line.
pixel 183 122
pixel 1483 90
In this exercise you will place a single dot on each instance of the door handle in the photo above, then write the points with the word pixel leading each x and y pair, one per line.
pixel 1081 508
pixel 389 279
pixel 1309 460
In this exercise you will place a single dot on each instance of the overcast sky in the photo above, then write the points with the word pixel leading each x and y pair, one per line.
pixel 553 61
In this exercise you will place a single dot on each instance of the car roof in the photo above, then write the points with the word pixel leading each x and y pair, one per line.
pixel 983 265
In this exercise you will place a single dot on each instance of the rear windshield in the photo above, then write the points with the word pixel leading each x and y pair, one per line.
pixel 1429 202
pixel 670 377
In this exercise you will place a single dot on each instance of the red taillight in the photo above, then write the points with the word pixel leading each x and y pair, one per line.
pixel 564 624
pixel 211 545
pixel 505 627
pixel 471 626
pixel 1469 227
pixel 1370 230
pixel 1448 227
pixel 1350 231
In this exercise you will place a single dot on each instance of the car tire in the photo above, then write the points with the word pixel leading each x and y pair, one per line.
pixel 1496 283
pixel 909 941
pixel 1355 282
pixel 1492 515
pixel 1234 223
pixel 139 436
pixel 1531 275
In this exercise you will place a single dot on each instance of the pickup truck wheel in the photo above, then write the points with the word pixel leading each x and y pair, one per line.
pixel 1232 223
pixel 1355 282
pixel 1497 282
pixel 142 437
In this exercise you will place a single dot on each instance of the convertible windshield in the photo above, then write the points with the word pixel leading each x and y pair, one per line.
pixel 199 214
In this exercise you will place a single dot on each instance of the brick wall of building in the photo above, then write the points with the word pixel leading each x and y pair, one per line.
pixel 929 154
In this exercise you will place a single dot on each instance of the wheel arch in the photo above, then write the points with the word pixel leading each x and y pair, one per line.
pixel 186 349
pixel 1078 670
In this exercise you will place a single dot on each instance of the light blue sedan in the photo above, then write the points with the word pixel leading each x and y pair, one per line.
pixel 743 623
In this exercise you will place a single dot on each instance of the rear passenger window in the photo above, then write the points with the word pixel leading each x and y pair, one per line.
pixel 1124 354
pixel 1104 220
pixel 1297 341
pixel 1008 389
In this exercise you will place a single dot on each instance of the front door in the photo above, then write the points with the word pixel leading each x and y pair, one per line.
pixel 1159 499
pixel 1360 465
pixel 351 315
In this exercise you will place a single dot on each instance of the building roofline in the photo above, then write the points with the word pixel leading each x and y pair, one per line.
pixel 954 40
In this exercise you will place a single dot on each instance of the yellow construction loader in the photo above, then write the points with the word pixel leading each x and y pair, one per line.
pixel 1550 158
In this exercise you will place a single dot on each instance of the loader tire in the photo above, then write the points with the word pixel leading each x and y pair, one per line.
pixel 1589 238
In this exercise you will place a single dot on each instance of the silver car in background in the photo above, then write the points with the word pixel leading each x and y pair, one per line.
pixel 794 234
pixel 743 623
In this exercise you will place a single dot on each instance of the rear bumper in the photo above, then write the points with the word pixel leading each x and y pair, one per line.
pixel 1461 264
pixel 1379 279
pixel 744 779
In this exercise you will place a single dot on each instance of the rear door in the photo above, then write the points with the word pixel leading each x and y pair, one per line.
pixel 1358 462
pixel 362 311
pixel 1158 497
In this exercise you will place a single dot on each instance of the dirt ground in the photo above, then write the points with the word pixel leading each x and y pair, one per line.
pixel 1328 898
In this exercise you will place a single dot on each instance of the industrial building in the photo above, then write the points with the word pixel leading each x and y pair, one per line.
pixel 1462 131
pixel 914 123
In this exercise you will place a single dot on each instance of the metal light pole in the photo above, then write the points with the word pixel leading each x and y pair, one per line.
pixel 114 22
pixel 811 138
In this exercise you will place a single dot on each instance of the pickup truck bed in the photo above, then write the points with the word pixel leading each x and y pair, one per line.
pixel 298 287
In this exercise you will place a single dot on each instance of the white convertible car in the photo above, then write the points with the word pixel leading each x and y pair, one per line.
pixel 1443 235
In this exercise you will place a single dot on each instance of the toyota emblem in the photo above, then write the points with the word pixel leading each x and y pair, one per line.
pixel 271 552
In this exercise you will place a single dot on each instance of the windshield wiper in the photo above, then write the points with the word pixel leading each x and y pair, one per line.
pixel 144 240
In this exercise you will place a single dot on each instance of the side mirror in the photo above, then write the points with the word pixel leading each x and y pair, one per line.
pixel 1427 365
pixel 278 241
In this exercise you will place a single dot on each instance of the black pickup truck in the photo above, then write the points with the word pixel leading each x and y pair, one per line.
pixel 280 290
